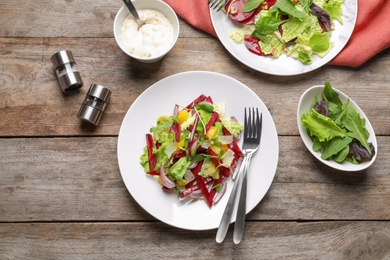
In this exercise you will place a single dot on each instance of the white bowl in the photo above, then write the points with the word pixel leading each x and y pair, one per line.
pixel 157 5
pixel 306 103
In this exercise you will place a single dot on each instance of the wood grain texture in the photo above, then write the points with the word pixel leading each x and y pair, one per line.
pixel 61 179
pixel 33 105
pixel 263 240
pixel 69 18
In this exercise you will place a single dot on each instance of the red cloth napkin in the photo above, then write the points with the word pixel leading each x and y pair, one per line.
pixel 370 36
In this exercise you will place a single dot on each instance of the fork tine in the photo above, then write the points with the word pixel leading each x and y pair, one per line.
pixel 222 5
pixel 217 4
pixel 254 123
pixel 251 123
pixel 212 3
pixel 259 125
pixel 246 123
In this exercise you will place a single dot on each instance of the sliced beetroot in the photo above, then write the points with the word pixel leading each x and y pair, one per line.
pixel 234 9
pixel 253 45
pixel 270 3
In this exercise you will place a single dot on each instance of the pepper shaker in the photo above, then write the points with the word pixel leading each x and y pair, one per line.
pixel 66 71
pixel 94 104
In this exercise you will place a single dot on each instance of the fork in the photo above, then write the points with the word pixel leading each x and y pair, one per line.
pixel 252 136
pixel 217 4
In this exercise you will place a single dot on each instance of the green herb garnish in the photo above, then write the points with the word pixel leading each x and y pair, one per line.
pixel 251 5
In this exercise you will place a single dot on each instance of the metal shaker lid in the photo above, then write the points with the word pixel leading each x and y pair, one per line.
pixel 90 114
pixel 62 57
pixel 99 92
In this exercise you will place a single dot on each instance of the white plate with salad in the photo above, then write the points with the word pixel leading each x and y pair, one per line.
pixel 285 65
pixel 160 99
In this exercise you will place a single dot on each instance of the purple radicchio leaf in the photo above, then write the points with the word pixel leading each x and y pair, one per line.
pixel 360 153
pixel 322 16
pixel 322 107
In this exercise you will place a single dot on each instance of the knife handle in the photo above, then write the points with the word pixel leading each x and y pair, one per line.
pixel 227 214
pixel 241 210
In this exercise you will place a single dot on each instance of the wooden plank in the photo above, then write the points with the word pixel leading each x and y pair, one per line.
pixel 56 18
pixel 62 179
pixel 31 98
pixel 262 240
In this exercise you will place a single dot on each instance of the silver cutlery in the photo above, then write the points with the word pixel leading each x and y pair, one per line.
pixel 251 143
pixel 133 12
pixel 217 4
pixel 252 136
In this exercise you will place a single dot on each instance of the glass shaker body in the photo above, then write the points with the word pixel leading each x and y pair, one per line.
pixel 66 71
pixel 94 104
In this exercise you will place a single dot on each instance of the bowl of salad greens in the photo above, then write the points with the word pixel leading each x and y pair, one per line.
pixel 335 130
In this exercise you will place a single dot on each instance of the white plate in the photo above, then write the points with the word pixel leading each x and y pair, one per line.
pixel 285 65
pixel 306 102
pixel 160 99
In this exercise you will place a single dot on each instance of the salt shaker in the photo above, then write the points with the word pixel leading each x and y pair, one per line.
pixel 94 104
pixel 66 71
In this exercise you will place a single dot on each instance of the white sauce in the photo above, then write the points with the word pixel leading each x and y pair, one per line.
pixel 152 38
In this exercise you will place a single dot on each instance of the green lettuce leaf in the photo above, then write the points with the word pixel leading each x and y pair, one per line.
pixel 317 145
pixel 330 95
pixel 251 5
pixel 177 171
pixel 293 28
pixel 301 52
pixel 271 44
pixel 324 53
pixel 304 56
pixel 339 117
pixel 319 42
pixel 161 156
pixel 342 155
pixel 334 146
pixel 205 107
pixel 267 23
pixel 321 126
pixel 334 111
pixel 204 118
pixel 306 5
pixel 144 160
pixel 288 7
pixel 204 172
pixel 312 26
pixel 333 7
pixel 233 127
pixel 356 125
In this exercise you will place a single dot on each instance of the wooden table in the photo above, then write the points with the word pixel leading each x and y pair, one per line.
pixel 62 195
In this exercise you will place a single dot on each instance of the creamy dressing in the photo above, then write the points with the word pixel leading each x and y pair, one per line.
pixel 152 38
